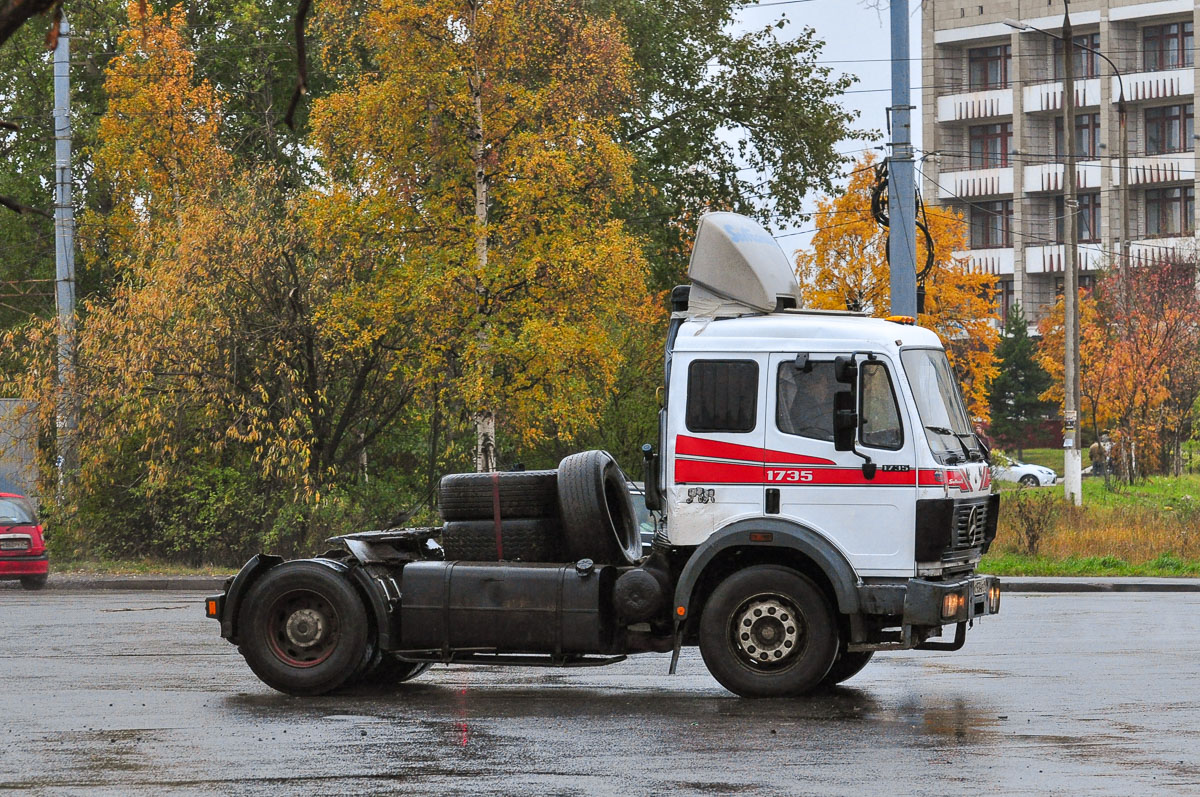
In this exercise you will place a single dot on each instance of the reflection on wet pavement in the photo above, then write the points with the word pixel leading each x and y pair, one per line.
pixel 125 694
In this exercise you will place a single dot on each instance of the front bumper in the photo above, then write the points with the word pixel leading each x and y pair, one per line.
pixel 16 566
pixel 929 603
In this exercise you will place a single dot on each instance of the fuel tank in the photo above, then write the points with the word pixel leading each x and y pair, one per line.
pixel 507 607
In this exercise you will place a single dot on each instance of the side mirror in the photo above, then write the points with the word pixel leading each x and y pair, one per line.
pixel 845 370
pixel 845 420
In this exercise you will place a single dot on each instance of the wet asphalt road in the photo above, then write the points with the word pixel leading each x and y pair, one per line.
pixel 134 693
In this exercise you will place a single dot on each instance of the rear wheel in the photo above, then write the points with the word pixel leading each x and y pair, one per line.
pixel 384 668
pixel 768 631
pixel 303 629
pixel 33 582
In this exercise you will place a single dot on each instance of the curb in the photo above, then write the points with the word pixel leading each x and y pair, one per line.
pixel 73 582
pixel 1094 584
pixel 1011 585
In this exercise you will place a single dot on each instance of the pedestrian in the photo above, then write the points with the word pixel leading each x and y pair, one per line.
pixel 1097 455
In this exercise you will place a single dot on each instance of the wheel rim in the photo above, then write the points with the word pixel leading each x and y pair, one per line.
pixel 767 632
pixel 302 628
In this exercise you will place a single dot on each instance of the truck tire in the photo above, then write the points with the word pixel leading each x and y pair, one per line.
pixel 768 631
pixel 598 521
pixel 521 540
pixel 304 629
pixel 384 668
pixel 522 494
pixel 846 666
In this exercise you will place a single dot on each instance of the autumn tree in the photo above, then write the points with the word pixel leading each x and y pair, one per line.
pixel 237 374
pixel 475 154
pixel 1139 376
pixel 847 268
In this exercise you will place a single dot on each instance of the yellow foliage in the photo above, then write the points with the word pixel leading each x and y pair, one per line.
pixel 847 268
pixel 533 332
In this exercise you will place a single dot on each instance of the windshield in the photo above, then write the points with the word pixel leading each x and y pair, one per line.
pixel 940 405
pixel 14 511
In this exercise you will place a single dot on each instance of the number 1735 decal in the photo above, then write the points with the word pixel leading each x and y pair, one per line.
pixel 789 475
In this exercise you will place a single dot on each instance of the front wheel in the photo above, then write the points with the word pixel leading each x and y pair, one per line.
pixel 303 629
pixel 1029 480
pixel 768 631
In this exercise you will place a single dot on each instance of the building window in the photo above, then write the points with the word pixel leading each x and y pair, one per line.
pixel 1088 218
pixel 1087 136
pixel 1087 63
pixel 1170 211
pixel 990 145
pixel 1006 295
pixel 1169 129
pixel 1167 46
pixel 991 224
pixel 988 67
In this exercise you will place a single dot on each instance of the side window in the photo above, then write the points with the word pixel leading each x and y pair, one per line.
pixel 804 400
pixel 722 396
pixel 880 422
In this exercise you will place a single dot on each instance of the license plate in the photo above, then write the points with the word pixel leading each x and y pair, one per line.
pixel 980 588
pixel 13 545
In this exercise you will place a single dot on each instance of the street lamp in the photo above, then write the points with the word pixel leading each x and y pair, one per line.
pixel 1071 394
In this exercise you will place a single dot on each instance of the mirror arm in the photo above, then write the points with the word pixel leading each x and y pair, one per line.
pixel 868 466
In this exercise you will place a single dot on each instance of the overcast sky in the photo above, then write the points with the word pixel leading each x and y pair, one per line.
pixel 857 42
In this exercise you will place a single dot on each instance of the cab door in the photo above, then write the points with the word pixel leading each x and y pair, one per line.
pixel 717 410
pixel 870 517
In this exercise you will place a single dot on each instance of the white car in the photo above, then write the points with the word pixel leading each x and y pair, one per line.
pixel 1024 473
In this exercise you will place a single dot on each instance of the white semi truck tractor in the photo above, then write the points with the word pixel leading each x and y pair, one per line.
pixel 820 495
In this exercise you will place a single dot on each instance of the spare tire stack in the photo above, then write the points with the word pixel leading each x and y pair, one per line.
pixel 580 511
pixel 490 517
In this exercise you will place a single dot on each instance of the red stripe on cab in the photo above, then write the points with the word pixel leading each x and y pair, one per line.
pixel 699 447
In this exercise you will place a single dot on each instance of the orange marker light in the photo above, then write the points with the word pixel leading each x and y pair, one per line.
pixel 901 319
pixel 681 611
pixel 211 607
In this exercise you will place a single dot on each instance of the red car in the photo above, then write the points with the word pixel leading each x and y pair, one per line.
pixel 22 546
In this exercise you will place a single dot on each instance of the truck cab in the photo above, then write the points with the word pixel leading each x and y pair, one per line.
pixel 819 492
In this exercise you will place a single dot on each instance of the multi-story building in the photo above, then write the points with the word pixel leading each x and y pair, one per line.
pixel 993 143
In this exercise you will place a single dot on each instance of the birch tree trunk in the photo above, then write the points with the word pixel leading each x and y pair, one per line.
pixel 485 419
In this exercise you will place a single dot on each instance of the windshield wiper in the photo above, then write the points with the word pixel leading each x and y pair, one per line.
pixel 973 455
pixel 951 433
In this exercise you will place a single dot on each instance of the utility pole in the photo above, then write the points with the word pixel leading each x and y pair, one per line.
pixel 902 221
pixel 67 420
pixel 1073 461
pixel 1072 476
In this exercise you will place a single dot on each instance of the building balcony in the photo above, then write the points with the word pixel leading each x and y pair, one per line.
pixel 1155 250
pixel 1169 168
pixel 1051 177
pixel 1042 97
pixel 1050 259
pixel 1155 85
pixel 973 183
pixel 987 261
pixel 974 105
